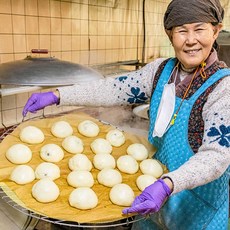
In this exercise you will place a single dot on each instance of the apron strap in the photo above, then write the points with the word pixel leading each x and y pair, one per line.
pixel 165 75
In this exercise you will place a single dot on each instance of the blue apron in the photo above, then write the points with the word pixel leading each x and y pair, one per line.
pixel 205 207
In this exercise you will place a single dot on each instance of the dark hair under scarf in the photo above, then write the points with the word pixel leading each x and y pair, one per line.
pixel 180 12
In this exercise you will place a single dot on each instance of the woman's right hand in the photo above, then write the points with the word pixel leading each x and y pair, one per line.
pixel 39 101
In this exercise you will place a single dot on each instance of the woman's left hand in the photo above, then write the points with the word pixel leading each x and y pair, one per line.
pixel 151 199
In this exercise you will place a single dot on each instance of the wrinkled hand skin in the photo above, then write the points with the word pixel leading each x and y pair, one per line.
pixel 150 200
pixel 39 101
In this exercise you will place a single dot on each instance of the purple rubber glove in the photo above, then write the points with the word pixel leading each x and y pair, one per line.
pixel 39 101
pixel 151 199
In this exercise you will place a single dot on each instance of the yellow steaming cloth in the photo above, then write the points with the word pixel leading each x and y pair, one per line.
pixel 60 209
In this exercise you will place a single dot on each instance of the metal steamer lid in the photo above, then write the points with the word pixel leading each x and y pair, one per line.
pixel 45 71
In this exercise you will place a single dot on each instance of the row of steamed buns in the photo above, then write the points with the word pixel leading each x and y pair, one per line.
pixel 80 177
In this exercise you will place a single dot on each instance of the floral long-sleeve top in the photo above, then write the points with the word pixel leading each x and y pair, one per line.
pixel 213 156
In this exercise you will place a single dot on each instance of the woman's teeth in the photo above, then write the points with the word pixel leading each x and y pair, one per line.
pixel 192 51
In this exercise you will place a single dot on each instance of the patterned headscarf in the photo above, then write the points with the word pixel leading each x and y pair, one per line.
pixel 180 12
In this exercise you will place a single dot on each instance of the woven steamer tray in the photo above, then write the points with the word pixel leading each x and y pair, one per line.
pixel 105 211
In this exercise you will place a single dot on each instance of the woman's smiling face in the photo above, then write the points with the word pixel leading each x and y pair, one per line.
pixel 193 42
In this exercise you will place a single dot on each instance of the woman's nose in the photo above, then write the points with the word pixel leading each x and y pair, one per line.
pixel 191 38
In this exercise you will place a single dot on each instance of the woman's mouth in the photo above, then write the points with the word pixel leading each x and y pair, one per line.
pixel 192 52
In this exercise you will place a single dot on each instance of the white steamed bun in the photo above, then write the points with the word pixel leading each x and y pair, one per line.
pixel 122 195
pixel 103 160
pixel 19 154
pixel 151 167
pixel 45 190
pixel 115 137
pixel 61 129
pixel 138 151
pixel 88 128
pixel 80 178
pixel 101 145
pixel 83 198
pixel 80 162
pixel 109 177
pixel 32 135
pixel 127 164
pixel 47 170
pixel 144 181
pixel 73 144
pixel 22 174
pixel 51 153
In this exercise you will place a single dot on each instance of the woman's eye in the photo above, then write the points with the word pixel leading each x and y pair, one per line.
pixel 182 31
pixel 199 29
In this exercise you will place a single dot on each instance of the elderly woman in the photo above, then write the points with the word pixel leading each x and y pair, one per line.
pixel 189 120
